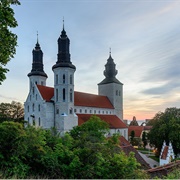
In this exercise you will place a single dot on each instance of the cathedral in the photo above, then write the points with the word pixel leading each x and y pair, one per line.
pixel 62 107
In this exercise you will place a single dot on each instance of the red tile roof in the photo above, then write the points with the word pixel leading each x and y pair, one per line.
pixel 91 100
pixel 137 129
pixel 80 99
pixel 112 120
pixel 46 92
pixel 164 153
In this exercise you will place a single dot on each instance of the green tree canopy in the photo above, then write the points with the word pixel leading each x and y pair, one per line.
pixel 84 152
pixel 12 111
pixel 166 127
pixel 8 40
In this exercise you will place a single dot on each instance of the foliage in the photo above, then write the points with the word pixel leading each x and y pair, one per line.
pixel 84 152
pixel 8 40
pixel 134 122
pixel 132 135
pixel 166 127
pixel 11 111
pixel 144 139
pixel 174 174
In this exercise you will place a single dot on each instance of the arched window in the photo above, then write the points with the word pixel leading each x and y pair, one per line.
pixel 116 92
pixel 33 107
pixel 56 78
pixel 36 82
pixel 119 93
pixel 64 94
pixel 71 79
pixel 70 110
pixel 39 107
pixel 28 120
pixel 64 79
pixel 39 121
pixel 36 96
pixel 71 95
pixel 33 89
pixel 56 94
pixel 28 108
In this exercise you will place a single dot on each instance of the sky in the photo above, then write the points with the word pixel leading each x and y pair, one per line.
pixel 144 37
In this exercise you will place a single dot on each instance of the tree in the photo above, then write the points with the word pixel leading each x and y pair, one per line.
pixel 166 127
pixel 144 139
pixel 8 40
pixel 12 111
pixel 132 135
pixel 134 122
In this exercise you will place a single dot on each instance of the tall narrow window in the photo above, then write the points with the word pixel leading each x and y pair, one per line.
pixel 56 78
pixel 39 121
pixel 64 78
pixel 71 95
pixel 71 79
pixel 28 108
pixel 64 94
pixel 56 94
pixel 39 107
pixel 36 96
pixel 116 92
pixel 119 93
pixel 42 83
pixel 33 89
pixel 33 107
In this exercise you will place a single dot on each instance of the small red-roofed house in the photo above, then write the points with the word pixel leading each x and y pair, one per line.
pixel 167 154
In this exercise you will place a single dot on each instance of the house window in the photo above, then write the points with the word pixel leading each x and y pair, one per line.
pixel 42 83
pixel 71 94
pixel 90 111
pixel 39 121
pixel 70 79
pixel 57 111
pixel 119 93
pixel 36 82
pixel 56 78
pixel 85 110
pixel 99 112
pixel 64 78
pixel 74 110
pixel 39 107
pixel 94 111
pixel 33 107
pixel 56 94
pixel 64 94
pixel 30 97
pixel 36 96
pixel 80 110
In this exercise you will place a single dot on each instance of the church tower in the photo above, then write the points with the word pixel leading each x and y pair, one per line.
pixel 112 87
pixel 65 119
pixel 37 74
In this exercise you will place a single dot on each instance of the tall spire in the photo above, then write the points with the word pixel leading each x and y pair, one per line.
pixel 110 71
pixel 63 56
pixel 37 65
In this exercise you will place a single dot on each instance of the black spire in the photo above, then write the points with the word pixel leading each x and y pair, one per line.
pixel 63 56
pixel 110 72
pixel 37 65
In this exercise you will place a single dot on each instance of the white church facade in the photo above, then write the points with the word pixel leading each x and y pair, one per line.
pixel 62 107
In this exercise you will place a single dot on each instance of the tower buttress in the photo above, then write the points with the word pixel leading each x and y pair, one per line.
pixel 112 87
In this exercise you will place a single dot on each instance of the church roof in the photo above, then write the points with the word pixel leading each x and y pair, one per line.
pixel 46 92
pixel 80 99
pixel 113 121
pixel 91 100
